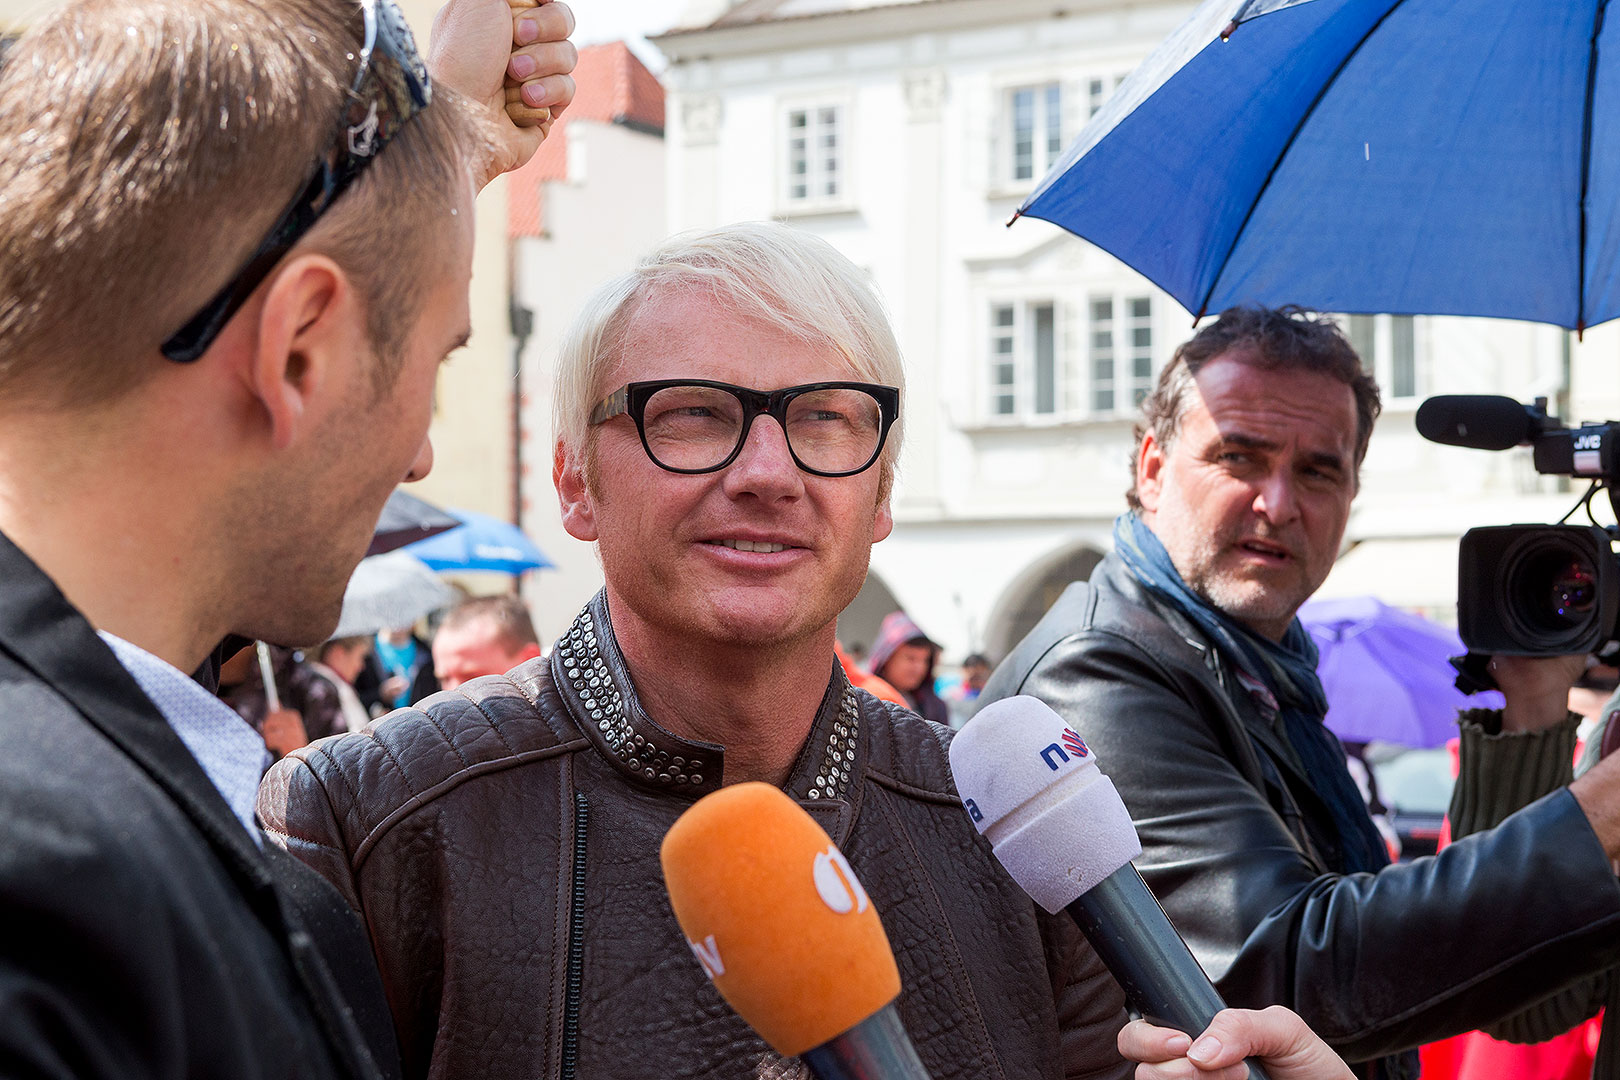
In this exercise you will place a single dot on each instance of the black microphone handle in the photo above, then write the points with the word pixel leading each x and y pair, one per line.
pixel 877 1048
pixel 1132 935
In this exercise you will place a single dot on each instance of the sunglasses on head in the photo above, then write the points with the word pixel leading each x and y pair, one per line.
pixel 390 87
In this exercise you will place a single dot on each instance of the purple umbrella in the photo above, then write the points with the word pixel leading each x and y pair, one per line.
pixel 1386 673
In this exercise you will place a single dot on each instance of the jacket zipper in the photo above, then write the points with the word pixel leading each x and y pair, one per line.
pixel 576 942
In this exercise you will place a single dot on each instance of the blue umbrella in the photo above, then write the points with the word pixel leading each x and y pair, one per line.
pixel 1448 157
pixel 1386 673
pixel 481 542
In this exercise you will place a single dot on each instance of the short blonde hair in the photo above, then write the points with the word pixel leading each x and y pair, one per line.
pixel 779 275
pixel 145 148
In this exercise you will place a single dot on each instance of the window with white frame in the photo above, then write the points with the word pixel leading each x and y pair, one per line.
pixel 1003 360
pixel 1387 345
pixel 1024 362
pixel 1098 91
pixel 1119 352
pixel 815 158
pixel 1035 115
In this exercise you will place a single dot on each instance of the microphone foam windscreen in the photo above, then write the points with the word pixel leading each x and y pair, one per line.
pixel 1478 421
pixel 1033 788
pixel 776 917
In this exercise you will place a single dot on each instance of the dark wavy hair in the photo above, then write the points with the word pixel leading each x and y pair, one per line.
pixel 1275 339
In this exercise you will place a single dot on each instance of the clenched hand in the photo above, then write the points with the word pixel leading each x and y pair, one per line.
pixel 480 48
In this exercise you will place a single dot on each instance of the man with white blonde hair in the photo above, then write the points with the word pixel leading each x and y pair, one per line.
pixel 235 246
pixel 727 418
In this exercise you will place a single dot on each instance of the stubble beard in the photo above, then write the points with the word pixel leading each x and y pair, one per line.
pixel 1252 601
pixel 319 537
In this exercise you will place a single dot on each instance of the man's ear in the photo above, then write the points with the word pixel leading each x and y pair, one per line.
pixel 573 494
pixel 883 523
pixel 1150 457
pixel 309 322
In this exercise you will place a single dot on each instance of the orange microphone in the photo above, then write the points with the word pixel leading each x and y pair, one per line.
pixel 782 926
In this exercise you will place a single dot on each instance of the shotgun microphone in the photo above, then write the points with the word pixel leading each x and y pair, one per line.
pixel 1478 421
pixel 1060 830
pixel 785 931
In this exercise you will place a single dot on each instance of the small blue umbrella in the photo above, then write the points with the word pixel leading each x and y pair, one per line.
pixel 1447 157
pixel 481 542
pixel 1386 673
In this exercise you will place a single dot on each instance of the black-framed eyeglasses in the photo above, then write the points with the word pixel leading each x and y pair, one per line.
pixel 697 426
pixel 390 87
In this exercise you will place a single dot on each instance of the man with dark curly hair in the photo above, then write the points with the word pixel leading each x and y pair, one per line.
pixel 1182 664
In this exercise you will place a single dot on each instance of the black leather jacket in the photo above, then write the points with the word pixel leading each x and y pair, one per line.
pixel 501 842
pixel 143 934
pixel 1376 963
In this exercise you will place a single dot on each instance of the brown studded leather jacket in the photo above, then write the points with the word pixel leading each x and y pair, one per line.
pixel 501 843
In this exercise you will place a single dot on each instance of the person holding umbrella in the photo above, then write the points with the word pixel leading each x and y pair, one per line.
pixel 306 706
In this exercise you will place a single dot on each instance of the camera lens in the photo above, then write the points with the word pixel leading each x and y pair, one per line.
pixel 1574 590
pixel 1537 590
pixel 1571 590
pixel 1553 590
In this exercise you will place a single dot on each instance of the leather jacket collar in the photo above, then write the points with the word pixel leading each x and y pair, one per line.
pixel 595 686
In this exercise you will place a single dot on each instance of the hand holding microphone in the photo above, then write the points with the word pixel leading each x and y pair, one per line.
pixel 782 926
pixel 1058 827
pixel 1290 1049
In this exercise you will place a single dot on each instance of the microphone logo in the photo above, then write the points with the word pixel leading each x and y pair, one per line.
pixel 1072 743
pixel 840 889
pixel 1054 754
pixel 708 954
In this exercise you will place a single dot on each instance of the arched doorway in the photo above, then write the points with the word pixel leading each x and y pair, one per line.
pixel 1033 592
pixel 858 624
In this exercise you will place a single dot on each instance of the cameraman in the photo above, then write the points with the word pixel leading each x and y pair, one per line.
pixel 1537 775
pixel 1182 664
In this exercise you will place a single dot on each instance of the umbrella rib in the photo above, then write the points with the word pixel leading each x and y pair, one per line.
pixel 1586 164
pixel 1327 84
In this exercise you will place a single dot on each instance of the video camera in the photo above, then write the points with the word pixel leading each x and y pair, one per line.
pixel 1534 590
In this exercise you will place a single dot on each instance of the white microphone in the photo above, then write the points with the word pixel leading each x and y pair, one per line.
pixel 1060 830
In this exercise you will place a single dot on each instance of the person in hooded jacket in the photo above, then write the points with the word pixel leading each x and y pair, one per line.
pixel 904 657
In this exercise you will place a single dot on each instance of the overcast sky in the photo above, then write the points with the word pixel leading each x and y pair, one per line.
pixel 628 20
pixel 598 21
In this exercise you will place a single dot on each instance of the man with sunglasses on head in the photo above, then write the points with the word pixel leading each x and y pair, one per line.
pixel 728 422
pixel 235 245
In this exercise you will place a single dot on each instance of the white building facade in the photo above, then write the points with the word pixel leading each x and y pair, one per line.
pixel 583 211
pixel 907 133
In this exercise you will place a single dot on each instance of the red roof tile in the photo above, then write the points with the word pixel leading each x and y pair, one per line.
pixel 611 87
